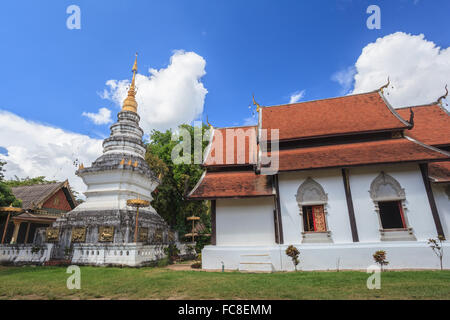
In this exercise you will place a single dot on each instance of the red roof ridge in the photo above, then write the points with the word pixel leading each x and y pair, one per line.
pixel 317 100
pixel 428 146
pixel 199 182
pixel 439 172
pixel 237 127
pixel 392 109
pixel 429 105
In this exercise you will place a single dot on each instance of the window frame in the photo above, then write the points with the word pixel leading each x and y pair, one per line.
pixel 321 200
pixel 394 234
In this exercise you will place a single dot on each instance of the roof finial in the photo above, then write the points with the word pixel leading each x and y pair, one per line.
pixel 258 107
pixel 134 70
pixel 411 117
pixel 209 124
pixel 385 86
pixel 439 101
pixel 130 103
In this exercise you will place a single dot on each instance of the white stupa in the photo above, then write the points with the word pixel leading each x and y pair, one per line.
pixel 120 174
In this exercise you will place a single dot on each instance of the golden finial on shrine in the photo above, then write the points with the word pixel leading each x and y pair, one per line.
pixel 209 124
pixel 130 103
pixel 385 86
pixel 258 107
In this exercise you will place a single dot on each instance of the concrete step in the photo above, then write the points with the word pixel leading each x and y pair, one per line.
pixel 255 257
pixel 256 262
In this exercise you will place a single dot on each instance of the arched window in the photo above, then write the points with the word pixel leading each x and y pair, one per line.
pixel 389 199
pixel 312 201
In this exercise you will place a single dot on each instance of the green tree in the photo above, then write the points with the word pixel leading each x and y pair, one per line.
pixel 18 182
pixel 169 198
pixel 6 196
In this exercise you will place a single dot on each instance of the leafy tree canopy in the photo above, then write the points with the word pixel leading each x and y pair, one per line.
pixel 6 196
pixel 176 180
pixel 18 182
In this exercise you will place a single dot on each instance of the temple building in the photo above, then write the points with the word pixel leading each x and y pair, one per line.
pixel 42 204
pixel 338 178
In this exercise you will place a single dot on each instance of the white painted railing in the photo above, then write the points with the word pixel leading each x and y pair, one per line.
pixel 25 253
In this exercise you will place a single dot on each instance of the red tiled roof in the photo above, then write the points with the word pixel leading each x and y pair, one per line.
pixel 242 151
pixel 232 185
pixel 366 112
pixel 439 171
pixel 431 124
pixel 354 154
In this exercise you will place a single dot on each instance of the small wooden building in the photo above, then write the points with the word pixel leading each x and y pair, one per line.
pixel 42 204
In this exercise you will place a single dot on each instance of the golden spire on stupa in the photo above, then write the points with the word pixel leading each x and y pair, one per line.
pixel 130 104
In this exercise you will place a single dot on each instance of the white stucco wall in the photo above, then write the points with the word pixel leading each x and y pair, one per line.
pixel 245 222
pixel 443 205
pixel 418 209
pixel 337 213
pixel 245 230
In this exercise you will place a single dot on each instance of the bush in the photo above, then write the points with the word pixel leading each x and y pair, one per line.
pixel 438 249
pixel 380 258
pixel 163 262
pixel 201 242
pixel 293 252
pixel 172 252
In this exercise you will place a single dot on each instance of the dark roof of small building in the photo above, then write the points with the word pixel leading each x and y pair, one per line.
pixel 39 218
pixel 34 196
pixel 353 114
pixel 232 184
pixel 431 124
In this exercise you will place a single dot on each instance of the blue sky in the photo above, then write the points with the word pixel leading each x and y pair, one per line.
pixel 272 48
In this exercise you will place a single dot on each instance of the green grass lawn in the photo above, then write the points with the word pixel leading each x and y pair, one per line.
pixel 160 283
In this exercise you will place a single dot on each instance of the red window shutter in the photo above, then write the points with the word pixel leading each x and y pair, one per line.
pixel 400 209
pixel 319 219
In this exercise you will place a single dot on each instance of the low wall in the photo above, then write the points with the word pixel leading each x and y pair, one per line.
pixel 358 256
pixel 19 254
pixel 130 254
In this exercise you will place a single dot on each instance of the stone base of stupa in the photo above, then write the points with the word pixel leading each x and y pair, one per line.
pixel 108 228
pixel 129 254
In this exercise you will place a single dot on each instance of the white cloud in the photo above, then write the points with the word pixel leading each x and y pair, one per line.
pixel 35 149
pixel 296 96
pixel 345 78
pixel 250 121
pixel 167 97
pixel 418 69
pixel 103 116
